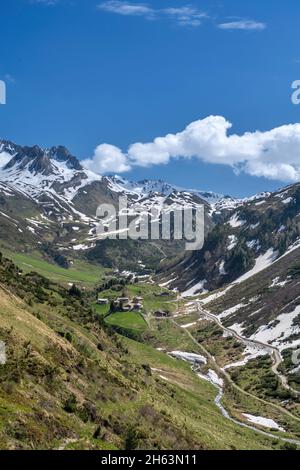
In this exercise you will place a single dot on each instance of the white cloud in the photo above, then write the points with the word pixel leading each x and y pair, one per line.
pixel 184 16
pixel 126 9
pixel 248 25
pixel 107 159
pixel 274 154
pixel 45 2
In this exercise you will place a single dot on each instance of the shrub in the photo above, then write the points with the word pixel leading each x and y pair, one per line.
pixel 131 439
pixel 70 404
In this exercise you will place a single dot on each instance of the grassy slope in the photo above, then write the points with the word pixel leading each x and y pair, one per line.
pixel 128 320
pixel 193 402
pixel 82 272
pixel 104 379
pixel 53 370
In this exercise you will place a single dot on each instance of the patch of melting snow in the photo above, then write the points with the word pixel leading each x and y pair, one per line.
pixel 238 328
pixel 282 228
pixel 287 200
pixel 276 282
pixel 254 244
pixel 260 203
pixel 261 263
pixel 232 242
pixel 222 271
pixel 164 378
pixel 166 284
pixel 83 247
pixel 236 222
pixel 250 353
pixel 290 249
pixel 240 363
pixel 214 378
pixel 189 325
pixel 278 335
pixel 193 290
pixel 282 194
pixel 232 310
pixel 265 422
pixel 215 296
pixel 189 357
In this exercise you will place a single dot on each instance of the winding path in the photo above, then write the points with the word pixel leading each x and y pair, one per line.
pixel 218 398
pixel 273 351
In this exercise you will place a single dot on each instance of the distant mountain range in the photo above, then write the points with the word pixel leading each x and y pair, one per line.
pixel 47 197
pixel 44 192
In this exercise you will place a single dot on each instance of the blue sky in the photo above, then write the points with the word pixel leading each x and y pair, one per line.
pixel 87 72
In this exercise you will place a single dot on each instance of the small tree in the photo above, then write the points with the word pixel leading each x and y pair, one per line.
pixel 74 291
pixel 70 404
pixel 97 433
pixel 131 440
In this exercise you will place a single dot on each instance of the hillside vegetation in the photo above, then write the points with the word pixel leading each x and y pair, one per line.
pixel 71 382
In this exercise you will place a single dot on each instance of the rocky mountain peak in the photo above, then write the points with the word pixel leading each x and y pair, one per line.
pixel 38 160
pixel 62 154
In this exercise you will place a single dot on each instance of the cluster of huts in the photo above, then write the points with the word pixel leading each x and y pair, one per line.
pixel 125 304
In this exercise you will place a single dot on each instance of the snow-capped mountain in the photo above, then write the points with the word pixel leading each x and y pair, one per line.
pixel 48 202
pixel 145 187
pixel 47 196
pixel 35 170
pixel 56 181
pixel 251 228
pixel 247 274
pixel 58 194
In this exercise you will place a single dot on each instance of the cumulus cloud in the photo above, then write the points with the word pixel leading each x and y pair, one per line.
pixel 107 159
pixel 273 154
pixel 249 25
pixel 184 16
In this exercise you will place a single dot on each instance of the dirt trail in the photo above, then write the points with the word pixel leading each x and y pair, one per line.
pixel 228 377
pixel 218 399
pixel 273 351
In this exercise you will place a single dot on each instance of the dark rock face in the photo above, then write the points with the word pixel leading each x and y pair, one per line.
pixel 38 160
pixel 62 154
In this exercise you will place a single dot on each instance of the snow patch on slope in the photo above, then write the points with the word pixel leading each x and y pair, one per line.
pixel 193 290
pixel 278 333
